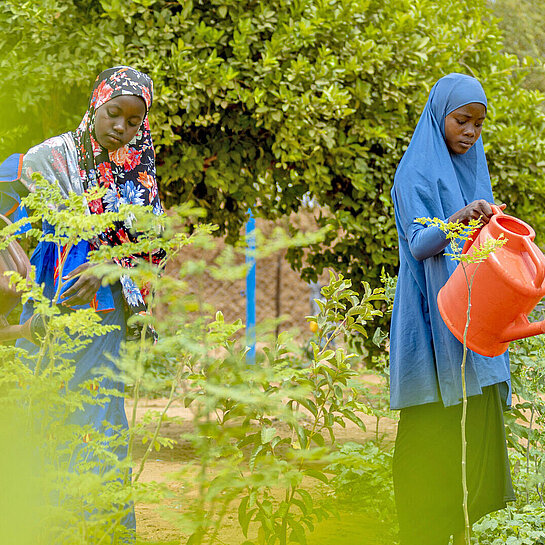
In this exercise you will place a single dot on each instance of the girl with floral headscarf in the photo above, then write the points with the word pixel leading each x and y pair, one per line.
pixel 111 148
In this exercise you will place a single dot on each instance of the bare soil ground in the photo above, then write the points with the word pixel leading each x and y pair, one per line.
pixel 153 526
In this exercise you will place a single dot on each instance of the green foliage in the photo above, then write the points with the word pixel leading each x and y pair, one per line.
pixel 518 524
pixel 363 482
pixel 262 434
pixel 510 527
pixel 73 483
pixel 524 35
pixel 457 234
pixel 376 398
pixel 525 423
pixel 262 103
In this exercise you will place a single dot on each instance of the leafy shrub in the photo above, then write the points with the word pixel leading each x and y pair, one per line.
pixel 261 103
pixel 260 432
pixel 518 524
pixel 523 521
pixel 363 481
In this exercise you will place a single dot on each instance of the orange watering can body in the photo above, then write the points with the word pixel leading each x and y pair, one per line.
pixel 506 288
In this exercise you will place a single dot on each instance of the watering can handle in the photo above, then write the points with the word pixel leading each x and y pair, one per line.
pixel 534 256
pixel 496 210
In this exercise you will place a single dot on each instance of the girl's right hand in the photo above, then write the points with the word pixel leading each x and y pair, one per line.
pixel 84 288
pixel 475 210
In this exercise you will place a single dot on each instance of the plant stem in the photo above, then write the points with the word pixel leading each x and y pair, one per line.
pixel 528 443
pixel 132 426
pixel 48 341
pixel 464 446
pixel 464 409
pixel 290 492
pixel 138 383
pixel 540 494
pixel 160 422
pixel 321 408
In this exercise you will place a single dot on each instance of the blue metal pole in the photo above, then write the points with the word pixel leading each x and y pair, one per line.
pixel 250 288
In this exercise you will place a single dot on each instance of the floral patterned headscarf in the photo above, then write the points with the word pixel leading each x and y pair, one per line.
pixel 128 173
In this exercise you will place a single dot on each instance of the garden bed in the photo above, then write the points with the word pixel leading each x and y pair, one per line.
pixel 153 521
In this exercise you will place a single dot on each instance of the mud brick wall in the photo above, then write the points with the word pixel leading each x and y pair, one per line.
pixel 230 296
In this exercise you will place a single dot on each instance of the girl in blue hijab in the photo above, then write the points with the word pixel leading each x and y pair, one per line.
pixel 443 174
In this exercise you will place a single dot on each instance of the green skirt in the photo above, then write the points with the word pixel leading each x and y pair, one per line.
pixel 427 467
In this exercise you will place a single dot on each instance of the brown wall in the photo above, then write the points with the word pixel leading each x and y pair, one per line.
pixel 229 296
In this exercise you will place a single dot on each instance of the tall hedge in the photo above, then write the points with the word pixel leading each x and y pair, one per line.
pixel 261 103
pixel 522 23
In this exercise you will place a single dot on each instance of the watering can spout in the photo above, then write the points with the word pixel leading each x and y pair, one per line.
pixel 522 328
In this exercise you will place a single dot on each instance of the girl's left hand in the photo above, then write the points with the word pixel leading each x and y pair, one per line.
pixel 476 210
pixel 84 288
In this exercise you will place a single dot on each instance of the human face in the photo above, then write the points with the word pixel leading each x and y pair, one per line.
pixel 118 120
pixel 463 127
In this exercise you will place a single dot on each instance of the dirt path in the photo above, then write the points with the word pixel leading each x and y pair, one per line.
pixel 153 524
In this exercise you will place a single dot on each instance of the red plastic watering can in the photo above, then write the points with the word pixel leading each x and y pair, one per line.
pixel 506 288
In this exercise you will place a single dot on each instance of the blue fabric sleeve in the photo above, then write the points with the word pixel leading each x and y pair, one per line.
pixel 425 240
pixel 411 202
pixel 11 189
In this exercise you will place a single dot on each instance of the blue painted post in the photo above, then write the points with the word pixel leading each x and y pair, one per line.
pixel 250 288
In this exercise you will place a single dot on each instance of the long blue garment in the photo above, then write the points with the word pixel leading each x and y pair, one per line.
pixel 89 362
pixel 432 182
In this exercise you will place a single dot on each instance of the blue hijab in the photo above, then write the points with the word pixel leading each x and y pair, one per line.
pixel 433 182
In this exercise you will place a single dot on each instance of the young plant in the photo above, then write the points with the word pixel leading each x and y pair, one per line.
pixel 73 469
pixel 525 423
pixel 261 432
pixel 457 233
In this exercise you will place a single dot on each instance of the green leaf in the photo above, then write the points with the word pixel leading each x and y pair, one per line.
pixel 245 515
pixel 315 474
pixel 267 434
pixel 301 504
pixel 309 405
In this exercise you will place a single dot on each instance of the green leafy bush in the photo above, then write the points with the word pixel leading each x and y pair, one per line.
pixel 363 482
pixel 518 524
pixel 260 433
pixel 67 480
pixel 524 35
pixel 262 103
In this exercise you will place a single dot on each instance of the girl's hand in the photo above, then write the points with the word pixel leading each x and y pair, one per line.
pixel 84 288
pixel 475 210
